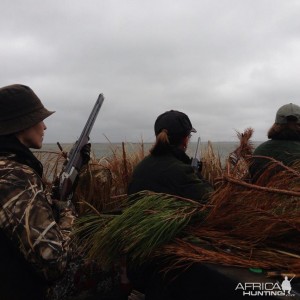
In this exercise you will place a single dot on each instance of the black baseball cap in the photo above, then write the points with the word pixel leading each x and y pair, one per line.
pixel 175 122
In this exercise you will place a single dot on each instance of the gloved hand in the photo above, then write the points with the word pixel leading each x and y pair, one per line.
pixel 55 189
pixel 86 153
pixel 200 165
pixel 197 165
pixel 61 205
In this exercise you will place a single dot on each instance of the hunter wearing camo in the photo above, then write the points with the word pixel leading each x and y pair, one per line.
pixel 27 215
pixel 35 229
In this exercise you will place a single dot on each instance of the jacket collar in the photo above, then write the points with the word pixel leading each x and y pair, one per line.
pixel 180 155
pixel 9 144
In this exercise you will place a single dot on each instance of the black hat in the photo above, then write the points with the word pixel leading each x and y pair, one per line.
pixel 20 108
pixel 175 122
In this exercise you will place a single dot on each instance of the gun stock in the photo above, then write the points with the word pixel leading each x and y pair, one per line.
pixel 74 163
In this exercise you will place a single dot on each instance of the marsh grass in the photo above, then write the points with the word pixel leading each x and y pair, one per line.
pixel 244 224
pixel 212 166
pixel 247 225
pixel 103 183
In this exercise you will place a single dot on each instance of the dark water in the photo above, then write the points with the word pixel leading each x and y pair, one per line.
pixel 100 150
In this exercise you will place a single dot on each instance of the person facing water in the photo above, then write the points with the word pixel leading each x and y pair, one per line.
pixel 34 228
pixel 168 169
pixel 283 144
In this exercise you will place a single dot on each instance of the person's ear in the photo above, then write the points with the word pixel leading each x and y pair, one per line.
pixel 185 142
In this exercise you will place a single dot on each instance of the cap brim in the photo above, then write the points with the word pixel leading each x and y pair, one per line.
pixel 193 129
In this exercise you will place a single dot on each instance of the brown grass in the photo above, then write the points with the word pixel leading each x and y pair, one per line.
pixel 103 183
pixel 246 225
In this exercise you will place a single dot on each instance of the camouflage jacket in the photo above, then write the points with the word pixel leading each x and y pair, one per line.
pixel 28 217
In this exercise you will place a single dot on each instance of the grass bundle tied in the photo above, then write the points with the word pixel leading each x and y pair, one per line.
pixel 149 221
pixel 247 225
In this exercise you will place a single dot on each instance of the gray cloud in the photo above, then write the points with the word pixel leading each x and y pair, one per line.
pixel 228 64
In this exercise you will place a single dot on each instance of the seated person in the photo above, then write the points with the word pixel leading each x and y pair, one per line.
pixel 35 228
pixel 168 169
pixel 283 144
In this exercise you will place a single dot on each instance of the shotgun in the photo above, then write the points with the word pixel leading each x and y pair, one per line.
pixel 74 162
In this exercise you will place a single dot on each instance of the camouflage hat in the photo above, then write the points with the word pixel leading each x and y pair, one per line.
pixel 20 108
pixel 177 123
pixel 288 112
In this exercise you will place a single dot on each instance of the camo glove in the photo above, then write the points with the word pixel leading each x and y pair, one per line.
pixel 86 153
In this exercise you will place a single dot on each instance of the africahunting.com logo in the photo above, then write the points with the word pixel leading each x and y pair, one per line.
pixel 266 288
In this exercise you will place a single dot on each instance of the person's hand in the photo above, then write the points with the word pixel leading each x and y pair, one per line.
pixel 55 189
pixel 197 165
pixel 200 165
pixel 60 205
pixel 86 153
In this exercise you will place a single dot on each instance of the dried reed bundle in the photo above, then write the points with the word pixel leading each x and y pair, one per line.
pixel 212 249
pixel 238 161
pixel 247 225
pixel 211 164
pixel 244 149
pixel 245 228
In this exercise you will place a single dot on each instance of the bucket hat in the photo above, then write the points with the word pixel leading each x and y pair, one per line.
pixel 175 122
pixel 20 108
pixel 288 112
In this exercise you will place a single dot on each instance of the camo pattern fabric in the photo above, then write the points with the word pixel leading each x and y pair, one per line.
pixel 39 226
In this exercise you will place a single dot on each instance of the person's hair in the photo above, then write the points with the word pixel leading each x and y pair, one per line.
pixel 164 142
pixel 288 131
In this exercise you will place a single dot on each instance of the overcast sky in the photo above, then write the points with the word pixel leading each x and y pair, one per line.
pixel 228 64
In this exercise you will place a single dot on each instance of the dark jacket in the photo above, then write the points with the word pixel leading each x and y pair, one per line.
pixel 285 151
pixel 170 173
